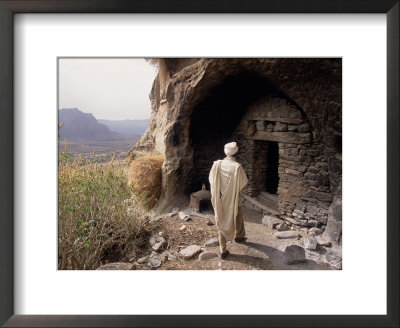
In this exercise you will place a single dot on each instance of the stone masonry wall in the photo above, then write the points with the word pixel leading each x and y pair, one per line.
pixel 304 191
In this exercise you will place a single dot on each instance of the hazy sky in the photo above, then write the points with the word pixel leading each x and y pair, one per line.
pixel 114 89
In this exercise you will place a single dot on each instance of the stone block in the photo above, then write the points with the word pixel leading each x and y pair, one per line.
pixel 207 255
pixel 280 127
pixel 286 234
pixel 271 221
pixel 310 244
pixel 189 252
pixel 294 254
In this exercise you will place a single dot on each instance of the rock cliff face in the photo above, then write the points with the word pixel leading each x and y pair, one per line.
pixel 285 113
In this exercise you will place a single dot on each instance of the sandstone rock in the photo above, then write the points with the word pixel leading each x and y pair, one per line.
pixel 294 254
pixel 207 255
pixel 310 244
pixel 211 242
pixel 271 221
pixel 190 251
pixel 184 86
pixel 157 242
pixel 286 234
pixel 117 266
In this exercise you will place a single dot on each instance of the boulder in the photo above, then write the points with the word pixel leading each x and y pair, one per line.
pixel 294 254
pixel 286 234
pixel 207 255
pixel 189 252
pixel 117 266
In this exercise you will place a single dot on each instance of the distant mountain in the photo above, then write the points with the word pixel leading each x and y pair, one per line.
pixel 79 125
pixel 127 126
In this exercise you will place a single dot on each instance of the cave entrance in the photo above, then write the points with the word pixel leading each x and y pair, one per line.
pixel 272 175
pixel 215 119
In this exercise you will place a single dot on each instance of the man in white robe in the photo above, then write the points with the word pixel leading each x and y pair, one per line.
pixel 227 178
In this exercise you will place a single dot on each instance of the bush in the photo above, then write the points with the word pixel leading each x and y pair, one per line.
pixel 144 177
pixel 98 219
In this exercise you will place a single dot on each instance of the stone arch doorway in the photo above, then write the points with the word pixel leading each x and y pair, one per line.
pixel 215 119
pixel 273 135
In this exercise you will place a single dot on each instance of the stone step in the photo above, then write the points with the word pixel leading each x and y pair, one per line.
pixel 262 206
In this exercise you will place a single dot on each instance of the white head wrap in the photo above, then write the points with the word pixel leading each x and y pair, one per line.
pixel 231 148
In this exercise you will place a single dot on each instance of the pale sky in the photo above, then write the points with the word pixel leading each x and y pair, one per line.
pixel 109 88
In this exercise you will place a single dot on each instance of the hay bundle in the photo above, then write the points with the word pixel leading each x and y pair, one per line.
pixel 144 177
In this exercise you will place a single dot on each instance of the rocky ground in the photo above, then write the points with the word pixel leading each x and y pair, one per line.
pixel 187 240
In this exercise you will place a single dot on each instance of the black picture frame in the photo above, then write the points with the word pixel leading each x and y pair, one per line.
pixel 10 7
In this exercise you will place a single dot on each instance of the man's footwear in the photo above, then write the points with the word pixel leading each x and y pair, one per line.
pixel 240 240
pixel 224 255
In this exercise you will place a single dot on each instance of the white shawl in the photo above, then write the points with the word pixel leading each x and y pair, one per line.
pixel 227 178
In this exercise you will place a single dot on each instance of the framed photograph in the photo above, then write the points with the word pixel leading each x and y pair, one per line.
pixel 225 164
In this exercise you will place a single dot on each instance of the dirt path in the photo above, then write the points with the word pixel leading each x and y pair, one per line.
pixel 261 251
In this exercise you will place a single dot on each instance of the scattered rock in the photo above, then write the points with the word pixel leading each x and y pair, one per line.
pixel 118 266
pixel 171 257
pixel 286 234
pixel 157 243
pixel 271 221
pixel 206 256
pixel 209 223
pixel 143 259
pixel 335 260
pixel 183 216
pixel 175 210
pixel 211 242
pixel 310 244
pixel 294 254
pixel 190 251
pixel 282 227
pixel 154 261
pixel 323 242
pixel 292 220
pixel 315 231
pixel 164 256
pixel 182 227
